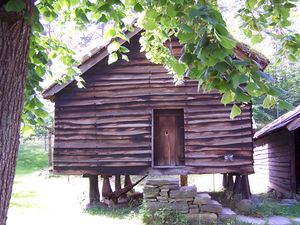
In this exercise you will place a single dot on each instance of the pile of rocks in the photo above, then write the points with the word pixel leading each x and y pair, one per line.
pixel 166 194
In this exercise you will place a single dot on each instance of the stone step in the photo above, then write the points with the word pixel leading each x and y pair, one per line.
pixel 227 214
pixel 250 220
pixel 278 220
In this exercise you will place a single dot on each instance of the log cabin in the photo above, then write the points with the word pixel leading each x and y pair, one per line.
pixel 130 119
pixel 277 153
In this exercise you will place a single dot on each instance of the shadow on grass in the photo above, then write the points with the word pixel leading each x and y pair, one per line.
pixel 120 213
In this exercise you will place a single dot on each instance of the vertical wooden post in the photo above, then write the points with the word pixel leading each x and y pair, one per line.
pixel 50 156
pixel 94 189
pixel 225 181
pixel 246 187
pixel 237 184
pixel 106 188
pixel 230 181
pixel 117 182
pixel 127 180
pixel 183 180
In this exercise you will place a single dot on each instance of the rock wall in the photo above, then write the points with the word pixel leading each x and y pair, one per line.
pixel 166 194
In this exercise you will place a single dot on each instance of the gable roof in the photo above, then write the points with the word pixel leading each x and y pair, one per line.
pixel 241 51
pixel 290 120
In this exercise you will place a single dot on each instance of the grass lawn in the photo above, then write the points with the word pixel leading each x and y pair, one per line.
pixel 41 198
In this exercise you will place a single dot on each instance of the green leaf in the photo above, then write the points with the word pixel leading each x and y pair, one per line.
pixel 14 6
pixel 196 12
pixel 149 24
pixel 41 113
pixel 123 36
pixel 81 15
pixel 27 130
pixel 112 58
pixel 241 96
pixel 186 28
pixel 253 90
pixel 251 3
pixel 171 11
pixel 113 47
pixel 123 49
pixel 257 39
pixel 227 97
pixel 285 105
pixel 248 33
pixel 265 76
pixel 138 7
pixel 235 111
pixel 269 101
pixel 179 69
pixel 276 91
pixel 125 57
pixel 110 32
pixel 221 29
pixel 184 37
pixel 226 42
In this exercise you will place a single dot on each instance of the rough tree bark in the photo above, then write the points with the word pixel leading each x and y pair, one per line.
pixel 14 45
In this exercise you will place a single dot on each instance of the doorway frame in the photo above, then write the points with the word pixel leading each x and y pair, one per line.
pixel 152 138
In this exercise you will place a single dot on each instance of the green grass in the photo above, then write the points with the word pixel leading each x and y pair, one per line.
pixel 121 213
pixel 31 158
pixel 268 206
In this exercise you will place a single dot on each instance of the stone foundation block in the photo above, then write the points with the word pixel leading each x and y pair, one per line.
pixel 202 199
pixel 184 192
pixel 212 207
pixel 194 210
pixel 161 182
pixel 227 214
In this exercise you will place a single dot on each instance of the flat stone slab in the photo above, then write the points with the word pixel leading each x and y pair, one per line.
pixel 194 210
pixel 212 207
pixel 162 181
pixel 169 187
pixel 278 220
pixel 184 192
pixel 227 214
pixel 210 218
pixel 202 198
pixel 296 220
pixel 150 193
pixel 250 220
pixel 178 206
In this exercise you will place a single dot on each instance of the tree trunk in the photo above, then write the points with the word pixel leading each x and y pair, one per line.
pixel 14 45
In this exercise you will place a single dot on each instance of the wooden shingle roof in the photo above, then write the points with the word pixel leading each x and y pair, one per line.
pixel 241 51
pixel 290 120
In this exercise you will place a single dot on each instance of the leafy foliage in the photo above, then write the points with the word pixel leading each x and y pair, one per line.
pixel 286 76
pixel 162 217
pixel 198 25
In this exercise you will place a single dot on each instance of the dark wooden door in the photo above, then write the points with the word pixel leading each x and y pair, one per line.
pixel 168 137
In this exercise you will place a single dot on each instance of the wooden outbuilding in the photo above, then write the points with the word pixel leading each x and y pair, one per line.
pixel 131 119
pixel 277 153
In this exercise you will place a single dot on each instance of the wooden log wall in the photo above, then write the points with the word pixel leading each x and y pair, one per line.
pixel 106 127
pixel 272 160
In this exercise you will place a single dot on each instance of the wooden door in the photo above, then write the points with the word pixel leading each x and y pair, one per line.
pixel 168 137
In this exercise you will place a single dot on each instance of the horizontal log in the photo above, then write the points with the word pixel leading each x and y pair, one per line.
pixel 150 171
